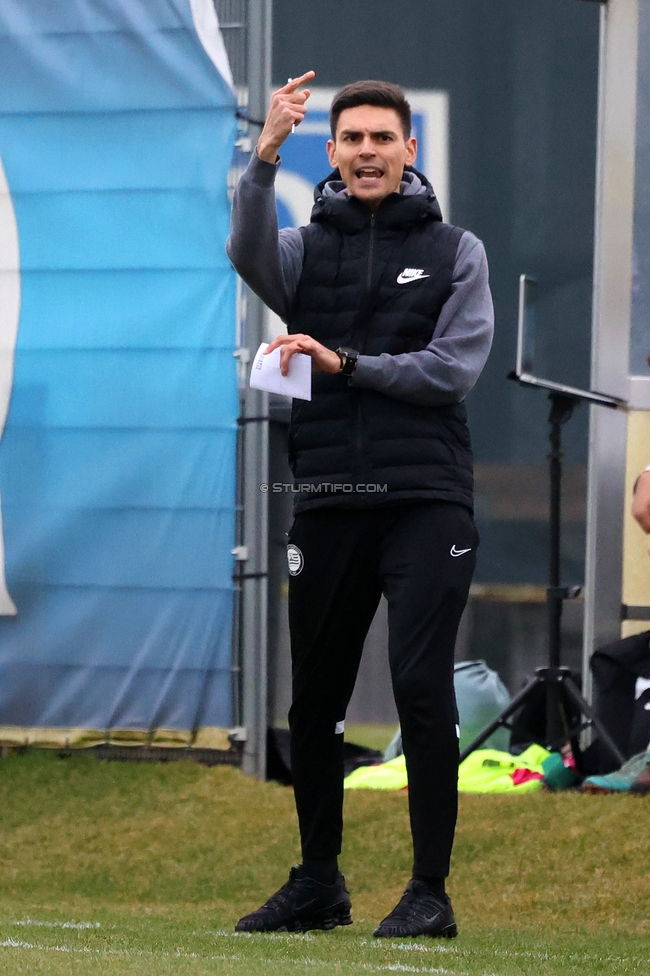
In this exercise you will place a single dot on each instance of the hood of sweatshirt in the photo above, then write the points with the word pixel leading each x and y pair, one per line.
pixel 415 202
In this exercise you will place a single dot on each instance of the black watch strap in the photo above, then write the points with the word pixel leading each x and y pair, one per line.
pixel 348 359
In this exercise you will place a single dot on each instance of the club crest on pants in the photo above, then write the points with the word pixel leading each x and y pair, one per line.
pixel 295 560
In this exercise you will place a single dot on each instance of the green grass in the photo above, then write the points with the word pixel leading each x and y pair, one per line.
pixel 372 736
pixel 158 862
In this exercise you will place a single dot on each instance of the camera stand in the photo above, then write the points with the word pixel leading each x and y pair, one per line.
pixel 560 689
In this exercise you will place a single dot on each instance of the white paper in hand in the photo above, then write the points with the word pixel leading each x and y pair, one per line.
pixel 266 375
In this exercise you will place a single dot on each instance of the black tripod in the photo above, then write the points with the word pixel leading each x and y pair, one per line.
pixel 555 680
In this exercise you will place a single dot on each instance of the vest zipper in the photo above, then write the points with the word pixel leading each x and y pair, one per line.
pixel 371 248
pixel 359 432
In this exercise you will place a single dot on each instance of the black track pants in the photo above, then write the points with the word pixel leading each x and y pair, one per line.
pixel 421 556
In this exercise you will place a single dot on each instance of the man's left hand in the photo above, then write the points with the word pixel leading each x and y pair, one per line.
pixel 323 360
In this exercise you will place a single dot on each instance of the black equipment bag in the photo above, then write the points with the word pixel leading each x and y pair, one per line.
pixel 616 669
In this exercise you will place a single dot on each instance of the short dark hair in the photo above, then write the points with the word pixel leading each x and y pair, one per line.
pixel 380 93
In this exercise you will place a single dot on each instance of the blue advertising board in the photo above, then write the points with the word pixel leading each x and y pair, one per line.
pixel 118 391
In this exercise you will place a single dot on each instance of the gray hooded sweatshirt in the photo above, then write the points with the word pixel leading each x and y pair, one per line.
pixel 270 262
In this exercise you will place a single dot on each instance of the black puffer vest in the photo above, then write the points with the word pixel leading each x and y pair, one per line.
pixel 356 447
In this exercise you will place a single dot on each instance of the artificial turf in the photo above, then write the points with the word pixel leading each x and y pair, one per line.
pixel 143 869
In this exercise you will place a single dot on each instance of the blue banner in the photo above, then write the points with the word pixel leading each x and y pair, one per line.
pixel 117 457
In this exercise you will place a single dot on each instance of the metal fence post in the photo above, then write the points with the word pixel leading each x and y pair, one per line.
pixel 254 419
pixel 611 323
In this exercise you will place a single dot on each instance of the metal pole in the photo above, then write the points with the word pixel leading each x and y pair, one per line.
pixel 255 454
pixel 611 323
pixel 554 599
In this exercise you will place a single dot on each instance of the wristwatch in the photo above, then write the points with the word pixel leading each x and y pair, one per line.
pixel 348 359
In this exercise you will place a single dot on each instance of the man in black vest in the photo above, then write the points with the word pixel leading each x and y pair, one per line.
pixel 394 309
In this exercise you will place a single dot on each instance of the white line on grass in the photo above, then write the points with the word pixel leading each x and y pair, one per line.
pixel 56 925
pixel 555 957
pixel 126 953
pixel 179 953
pixel 308 937
pixel 400 967
pixel 507 953
pixel 103 951
pixel 408 946
pixel 390 967
pixel 17 944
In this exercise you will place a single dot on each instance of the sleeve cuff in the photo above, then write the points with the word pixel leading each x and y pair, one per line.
pixel 363 371
pixel 261 172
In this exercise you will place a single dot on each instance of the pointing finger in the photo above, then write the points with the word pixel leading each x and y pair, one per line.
pixel 295 83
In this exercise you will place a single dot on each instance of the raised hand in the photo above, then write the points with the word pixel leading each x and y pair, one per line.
pixel 288 108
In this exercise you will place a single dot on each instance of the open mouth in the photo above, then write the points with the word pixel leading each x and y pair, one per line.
pixel 368 173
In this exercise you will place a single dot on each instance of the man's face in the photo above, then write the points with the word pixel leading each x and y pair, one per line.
pixel 371 152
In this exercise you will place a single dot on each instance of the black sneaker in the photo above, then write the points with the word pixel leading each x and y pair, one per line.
pixel 419 912
pixel 301 904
